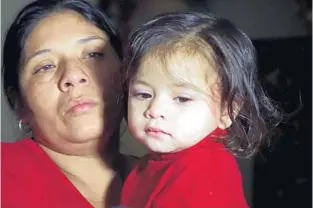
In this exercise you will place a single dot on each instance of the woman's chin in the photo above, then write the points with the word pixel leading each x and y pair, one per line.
pixel 87 133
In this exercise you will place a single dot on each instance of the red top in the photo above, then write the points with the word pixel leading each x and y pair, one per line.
pixel 29 179
pixel 203 176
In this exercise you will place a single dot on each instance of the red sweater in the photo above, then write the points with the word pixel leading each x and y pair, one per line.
pixel 29 179
pixel 203 176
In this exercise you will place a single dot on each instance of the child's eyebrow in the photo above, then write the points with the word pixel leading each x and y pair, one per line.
pixel 184 85
pixel 188 86
pixel 139 81
pixel 181 84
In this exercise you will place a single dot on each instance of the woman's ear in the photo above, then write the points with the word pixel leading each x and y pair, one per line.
pixel 21 111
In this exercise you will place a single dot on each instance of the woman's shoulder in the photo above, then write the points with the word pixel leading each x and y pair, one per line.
pixel 18 168
pixel 31 179
pixel 22 157
pixel 12 150
pixel 18 155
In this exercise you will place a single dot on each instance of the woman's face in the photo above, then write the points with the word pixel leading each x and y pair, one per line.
pixel 70 83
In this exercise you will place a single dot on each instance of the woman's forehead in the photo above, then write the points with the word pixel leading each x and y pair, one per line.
pixel 61 28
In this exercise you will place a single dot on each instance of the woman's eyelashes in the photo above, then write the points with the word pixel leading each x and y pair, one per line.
pixel 43 68
pixel 94 55
pixel 88 56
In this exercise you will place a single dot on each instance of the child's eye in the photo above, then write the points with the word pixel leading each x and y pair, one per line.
pixel 44 68
pixel 142 95
pixel 94 55
pixel 183 99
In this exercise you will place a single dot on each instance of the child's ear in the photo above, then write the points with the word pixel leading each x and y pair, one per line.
pixel 225 120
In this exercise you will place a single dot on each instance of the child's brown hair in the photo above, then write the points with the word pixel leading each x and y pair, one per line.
pixel 251 111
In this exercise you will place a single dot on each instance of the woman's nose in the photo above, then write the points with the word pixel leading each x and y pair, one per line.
pixel 72 77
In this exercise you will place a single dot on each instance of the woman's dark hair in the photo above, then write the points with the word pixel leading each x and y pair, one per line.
pixel 24 24
pixel 234 58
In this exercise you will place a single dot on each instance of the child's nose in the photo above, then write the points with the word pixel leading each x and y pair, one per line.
pixel 156 109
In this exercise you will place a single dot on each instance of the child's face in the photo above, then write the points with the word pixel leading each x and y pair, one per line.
pixel 173 109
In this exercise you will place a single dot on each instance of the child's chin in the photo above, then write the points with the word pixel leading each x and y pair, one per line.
pixel 159 149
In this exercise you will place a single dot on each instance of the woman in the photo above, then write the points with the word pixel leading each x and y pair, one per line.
pixel 61 62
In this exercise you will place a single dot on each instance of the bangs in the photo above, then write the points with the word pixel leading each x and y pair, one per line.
pixel 188 53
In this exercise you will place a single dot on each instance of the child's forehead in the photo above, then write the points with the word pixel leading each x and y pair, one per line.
pixel 179 69
pixel 178 61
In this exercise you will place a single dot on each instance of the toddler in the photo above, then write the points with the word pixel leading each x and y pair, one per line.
pixel 195 102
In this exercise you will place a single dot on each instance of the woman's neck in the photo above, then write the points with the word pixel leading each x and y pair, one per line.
pixel 90 174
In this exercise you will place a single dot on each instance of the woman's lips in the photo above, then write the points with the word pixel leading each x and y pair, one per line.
pixel 80 106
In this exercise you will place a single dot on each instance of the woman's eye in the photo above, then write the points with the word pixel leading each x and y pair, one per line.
pixel 44 68
pixel 182 99
pixel 94 55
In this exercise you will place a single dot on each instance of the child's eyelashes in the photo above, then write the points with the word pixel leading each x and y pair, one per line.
pixel 148 96
pixel 182 99
pixel 142 95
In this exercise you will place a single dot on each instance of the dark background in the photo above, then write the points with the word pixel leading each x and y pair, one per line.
pixel 283 174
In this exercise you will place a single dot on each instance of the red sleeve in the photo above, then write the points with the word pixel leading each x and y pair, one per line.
pixel 213 183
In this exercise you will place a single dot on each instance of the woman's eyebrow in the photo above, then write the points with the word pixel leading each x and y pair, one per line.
pixel 91 38
pixel 37 53
pixel 80 41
